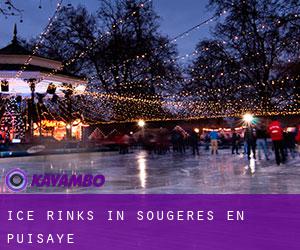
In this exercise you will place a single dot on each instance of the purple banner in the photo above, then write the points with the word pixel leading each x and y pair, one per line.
pixel 208 222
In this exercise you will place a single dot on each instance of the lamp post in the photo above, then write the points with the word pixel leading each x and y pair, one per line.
pixel 248 118
pixel 141 124
pixel 32 84
pixel 68 91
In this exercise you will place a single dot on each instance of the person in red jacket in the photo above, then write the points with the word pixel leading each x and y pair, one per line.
pixel 276 134
pixel 3 137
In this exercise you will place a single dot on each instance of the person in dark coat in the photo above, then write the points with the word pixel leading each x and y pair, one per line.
pixel 290 143
pixel 261 136
pixel 250 139
pixel 235 139
pixel 194 140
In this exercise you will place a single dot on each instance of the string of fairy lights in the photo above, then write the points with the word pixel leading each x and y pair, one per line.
pixel 196 52
pixel 203 78
pixel 43 35
pixel 190 106
pixel 95 42
pixel 100 107
pixel 41 38
pixel 206 109
pixel 174 39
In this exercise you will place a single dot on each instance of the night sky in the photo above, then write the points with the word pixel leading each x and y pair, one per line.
pixel 176 17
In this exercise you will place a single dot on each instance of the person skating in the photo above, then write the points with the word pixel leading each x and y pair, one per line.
pixel 250 139
pixel 261 136
pixel 214 141
pixel 235 139
pixel 194 140
pixel 276 134
pixel 206 141
pixel 290 143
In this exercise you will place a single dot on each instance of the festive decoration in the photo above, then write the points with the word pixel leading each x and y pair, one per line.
pixel 41 38
pixel 189 99
pixel 12 121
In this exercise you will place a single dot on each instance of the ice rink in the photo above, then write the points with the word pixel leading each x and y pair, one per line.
pixel 141 173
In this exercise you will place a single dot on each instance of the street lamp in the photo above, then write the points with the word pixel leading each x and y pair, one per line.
pixel 248 118
pixel 197 130
pixel 141 123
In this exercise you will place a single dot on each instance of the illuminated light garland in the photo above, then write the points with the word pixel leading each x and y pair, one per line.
pixel 175 39
pixel 210 109
pixel 97 95
pixel 187 80
pixel 199 93
pixel 222 113
pixel 49 112
pixel 175 103
pixel 41 39
pixel 237 115
pixel 243 85
pixel 171 60
pixel 162 84
pixel 90 47
pixel 200 109
pixel 143 55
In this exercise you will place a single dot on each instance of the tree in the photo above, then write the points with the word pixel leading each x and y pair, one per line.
pixel 136 56
pixel 250 44
pixel 121 48
pixel 12 121
pixel 8 8
pixel 213 79
pixel 70 35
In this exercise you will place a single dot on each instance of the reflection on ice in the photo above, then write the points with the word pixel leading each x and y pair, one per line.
pixel 141 159
pixel 252 165
pixel 171 173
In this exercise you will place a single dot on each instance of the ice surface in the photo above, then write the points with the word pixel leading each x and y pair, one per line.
pixel 139 172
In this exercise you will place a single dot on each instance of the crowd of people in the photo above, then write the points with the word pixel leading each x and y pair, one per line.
pixel 254 140
pixel 284 141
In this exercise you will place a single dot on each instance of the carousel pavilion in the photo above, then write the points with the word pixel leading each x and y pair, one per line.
pixel 24 78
